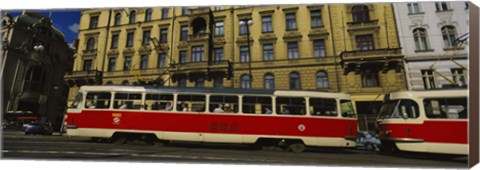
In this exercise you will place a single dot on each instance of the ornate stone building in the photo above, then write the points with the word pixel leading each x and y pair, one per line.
pixel 351 48
pixel 36 57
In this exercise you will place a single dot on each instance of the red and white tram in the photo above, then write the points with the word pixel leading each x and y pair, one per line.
pixel 294 119
pixel 431 121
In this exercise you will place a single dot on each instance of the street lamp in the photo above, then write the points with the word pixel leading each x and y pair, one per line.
pixel 247 23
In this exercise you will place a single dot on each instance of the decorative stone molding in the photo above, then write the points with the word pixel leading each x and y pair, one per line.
pixel 292 35
pixel 268 38
pixel 318 33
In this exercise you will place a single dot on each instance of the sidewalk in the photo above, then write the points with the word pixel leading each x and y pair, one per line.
pixel 8 134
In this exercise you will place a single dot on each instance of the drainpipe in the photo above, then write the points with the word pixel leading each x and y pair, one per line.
pixel 171 45
pixel 106 43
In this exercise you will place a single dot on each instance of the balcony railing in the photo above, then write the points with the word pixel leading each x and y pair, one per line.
pixel 287 62
pixel 371 54
pixel 83 74
pixel 198 37
pixel 355 26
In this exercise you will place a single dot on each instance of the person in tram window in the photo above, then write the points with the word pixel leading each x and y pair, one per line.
pixel 285 110
pixel 228 108
pixel 123 106
pixel 168 107
pixel 184 107
pixel 267 111
pixel 218 109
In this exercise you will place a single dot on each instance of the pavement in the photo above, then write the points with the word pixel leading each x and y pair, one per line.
pixel 8 134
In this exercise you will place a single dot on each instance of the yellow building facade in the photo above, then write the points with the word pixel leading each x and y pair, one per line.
pixel 351 48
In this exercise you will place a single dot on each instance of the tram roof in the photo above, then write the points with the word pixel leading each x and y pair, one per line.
pixel 153 89
pixel 429 93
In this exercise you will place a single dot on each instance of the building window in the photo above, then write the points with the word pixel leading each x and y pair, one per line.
pixel 420 37
pixel 118 19
pixel 200 82
pixel 218 8
pixel 442 6
pixel 370 77
pixel 364 42
pixel 144 62
pixel 111 63
pixel 428 79
pixel 449 34
pixel 133 17
pixel 459 76
pixel 114 44
pixel 243 29
pixel 245 81
pixel 197 53
pixel 218 81
pixel 218 54
pixel 184 32
pixel 183 57
pixel 269 81
pixel 267 24
pixel 322 80
pixel 165 13
pixel 292 50
pixel 268 54
pixel 129 39
pixel 244 54
pixel 319 48
pixel 91 44
pixel 148 15
pixel 87 65
pixel 162 60
pixel 163 35
pixel 316 18
pixel 295 82
pixel 413 8
pixel 219 28
pixel 184 11
pixel 146 37
pixel 182 82
pixel 291 21
pixel 128 63
pixel 93 22
pixel 360 13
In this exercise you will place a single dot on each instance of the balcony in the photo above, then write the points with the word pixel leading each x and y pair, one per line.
pixel 89 53
pixel 198 37
pixel 376 54
pixel 301 62
pixel 80 78
pixel 361 26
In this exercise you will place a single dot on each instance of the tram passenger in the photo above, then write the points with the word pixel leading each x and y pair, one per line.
pixel 267 111
pixel 184 107
pixel 228 108
pixel 218 109
pixel 168 107
pixel 123 106
pixel 285 110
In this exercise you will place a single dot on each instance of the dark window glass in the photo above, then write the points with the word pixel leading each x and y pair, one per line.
pixel 291 105
pixel 291 21
pixel 323 107
pixel 257 105
pixel 267 24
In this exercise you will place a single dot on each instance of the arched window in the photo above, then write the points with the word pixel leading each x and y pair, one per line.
pixel 109 83
pixel 200 82
pixel 118 18
pixel 269 81
pixel 91 44
pixel 133 16
pixel 322 80
pixel 245 81
pixel 449 34
pixel 420 36
pixel 295 82
pixel 182 82
pixel 360 13
pixel 125 82
pixel 148 15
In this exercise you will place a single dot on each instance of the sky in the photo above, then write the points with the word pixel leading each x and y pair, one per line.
pixel 65 20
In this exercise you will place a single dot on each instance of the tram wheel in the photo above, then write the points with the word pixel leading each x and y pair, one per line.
pixel 119 140
pixel 369 147
pixel 296 147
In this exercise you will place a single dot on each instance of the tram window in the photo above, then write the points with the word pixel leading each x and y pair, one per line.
pixel 191 103
pixel 291 105
pixel 98 100
pixel 130 101
pixel 257 105
pixel 159 102
pixel 78 101
pixel 346 108
pixel 223 104
pixel 323 107
pixel 451 108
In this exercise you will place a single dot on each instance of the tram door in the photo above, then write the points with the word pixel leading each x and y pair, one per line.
pixel 367 112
